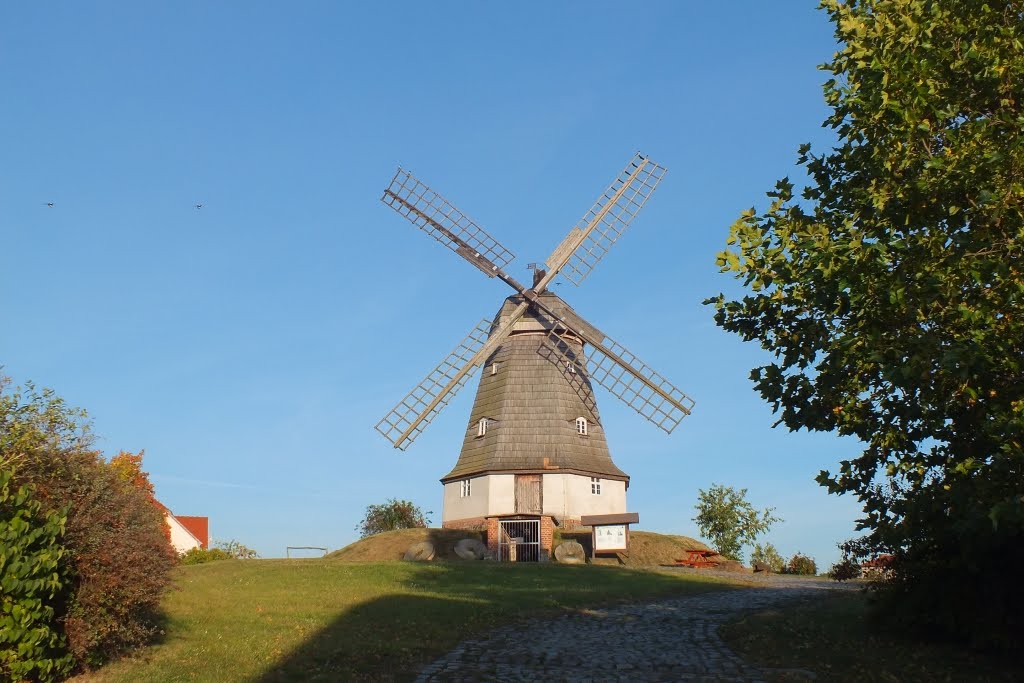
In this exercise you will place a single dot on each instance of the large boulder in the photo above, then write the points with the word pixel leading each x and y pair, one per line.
pixel 570 552
pixel 422 551
pixel 470 549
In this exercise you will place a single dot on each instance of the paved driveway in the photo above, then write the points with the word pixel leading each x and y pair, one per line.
pixel 669 640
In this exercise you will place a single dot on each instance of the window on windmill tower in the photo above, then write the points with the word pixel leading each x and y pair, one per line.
pixel 481 427
pixel 581 426
pixel 570 367
pixel 494 368
pixel 466 488
pixel 595 486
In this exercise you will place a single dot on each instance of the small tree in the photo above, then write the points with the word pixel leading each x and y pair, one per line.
pixel 767 555
pixel 394 514
pixel 237 550
pixel 801 564
pixel 729 521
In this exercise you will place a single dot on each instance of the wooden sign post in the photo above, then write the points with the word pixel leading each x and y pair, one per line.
pixel 610 532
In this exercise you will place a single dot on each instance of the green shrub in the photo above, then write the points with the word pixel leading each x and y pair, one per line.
pixel 802 565
pixel 31 644
pixel 768 556
pixel 204 555
pixel 394 514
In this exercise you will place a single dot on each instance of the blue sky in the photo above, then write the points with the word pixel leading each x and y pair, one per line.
pixel 250 346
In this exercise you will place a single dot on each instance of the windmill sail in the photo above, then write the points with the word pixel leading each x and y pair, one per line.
pixel 615 368
pixel 436 216
pixel 607 363
pixel 416 411
pixel 606 220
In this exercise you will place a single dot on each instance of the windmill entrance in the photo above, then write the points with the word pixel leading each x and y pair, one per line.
pixel 519 540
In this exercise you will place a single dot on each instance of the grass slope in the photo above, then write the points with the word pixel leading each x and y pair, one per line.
pixel 324 620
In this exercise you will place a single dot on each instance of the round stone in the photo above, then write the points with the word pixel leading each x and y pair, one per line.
pixel 470 549
pixel 422 551
pixel 570 552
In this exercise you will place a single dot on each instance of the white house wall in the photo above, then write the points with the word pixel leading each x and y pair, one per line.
pixel 474 505
pixel 181 538
pixel 564 495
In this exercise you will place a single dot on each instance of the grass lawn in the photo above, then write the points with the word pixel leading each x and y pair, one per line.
pixel 832 638
pixel 326 620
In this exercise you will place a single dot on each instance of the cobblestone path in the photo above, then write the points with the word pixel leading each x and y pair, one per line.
pixel 669 640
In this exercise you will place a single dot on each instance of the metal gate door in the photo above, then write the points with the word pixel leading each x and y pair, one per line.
pixel 519 540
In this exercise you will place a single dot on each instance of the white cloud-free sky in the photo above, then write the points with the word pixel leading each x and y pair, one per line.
pixel 250 346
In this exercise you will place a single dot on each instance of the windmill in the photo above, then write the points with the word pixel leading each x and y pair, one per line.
pixel 534 453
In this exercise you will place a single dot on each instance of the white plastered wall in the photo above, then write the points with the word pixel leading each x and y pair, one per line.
pixel 491 494
pixel 565 495
pixel 181 538
pixel 570 496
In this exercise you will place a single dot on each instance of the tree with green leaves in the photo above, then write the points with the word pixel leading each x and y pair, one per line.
pixel 767 555
pixel 890 292
pixel 730 522
pixel 394 514
pixel 32 646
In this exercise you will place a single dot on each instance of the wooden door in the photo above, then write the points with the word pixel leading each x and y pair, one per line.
pixel 529 499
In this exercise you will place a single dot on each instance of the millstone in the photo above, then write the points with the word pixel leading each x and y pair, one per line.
pixel 470 549
pixel 424 550
pixel 570 552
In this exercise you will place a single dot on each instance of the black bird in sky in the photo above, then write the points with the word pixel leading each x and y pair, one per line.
pixel 199 206
pixel 49 204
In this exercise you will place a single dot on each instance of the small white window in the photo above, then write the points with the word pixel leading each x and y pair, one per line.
pixel 595 486
pixel 481 427
pixel 494 368
pixel 581 426
pixel 570 367
pixel 466 488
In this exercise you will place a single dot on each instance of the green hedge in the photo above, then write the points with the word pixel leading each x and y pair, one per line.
pixel 31 644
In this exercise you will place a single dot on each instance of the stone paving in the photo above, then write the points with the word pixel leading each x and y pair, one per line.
pixel 668 640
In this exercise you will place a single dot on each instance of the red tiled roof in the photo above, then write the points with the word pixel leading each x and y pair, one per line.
pixel 198 527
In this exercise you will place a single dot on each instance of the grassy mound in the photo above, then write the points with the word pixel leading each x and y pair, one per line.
pixel 646 547
pixel 391 545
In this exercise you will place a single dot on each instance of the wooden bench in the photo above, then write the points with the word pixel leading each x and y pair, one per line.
pixel 697 558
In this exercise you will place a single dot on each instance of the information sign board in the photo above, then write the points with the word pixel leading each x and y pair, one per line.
pixel 611 537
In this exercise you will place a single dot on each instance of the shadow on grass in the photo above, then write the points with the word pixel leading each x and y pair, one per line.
pixel 437 605
pixel 385 639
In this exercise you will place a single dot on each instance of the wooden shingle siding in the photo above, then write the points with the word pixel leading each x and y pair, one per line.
pixel 534 401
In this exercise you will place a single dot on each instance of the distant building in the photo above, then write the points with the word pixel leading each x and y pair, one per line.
pixel 187 532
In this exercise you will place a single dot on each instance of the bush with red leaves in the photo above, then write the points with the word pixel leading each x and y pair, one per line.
pixel 118 561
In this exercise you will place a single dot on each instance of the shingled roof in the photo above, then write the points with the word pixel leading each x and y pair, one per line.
pixel 531 402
